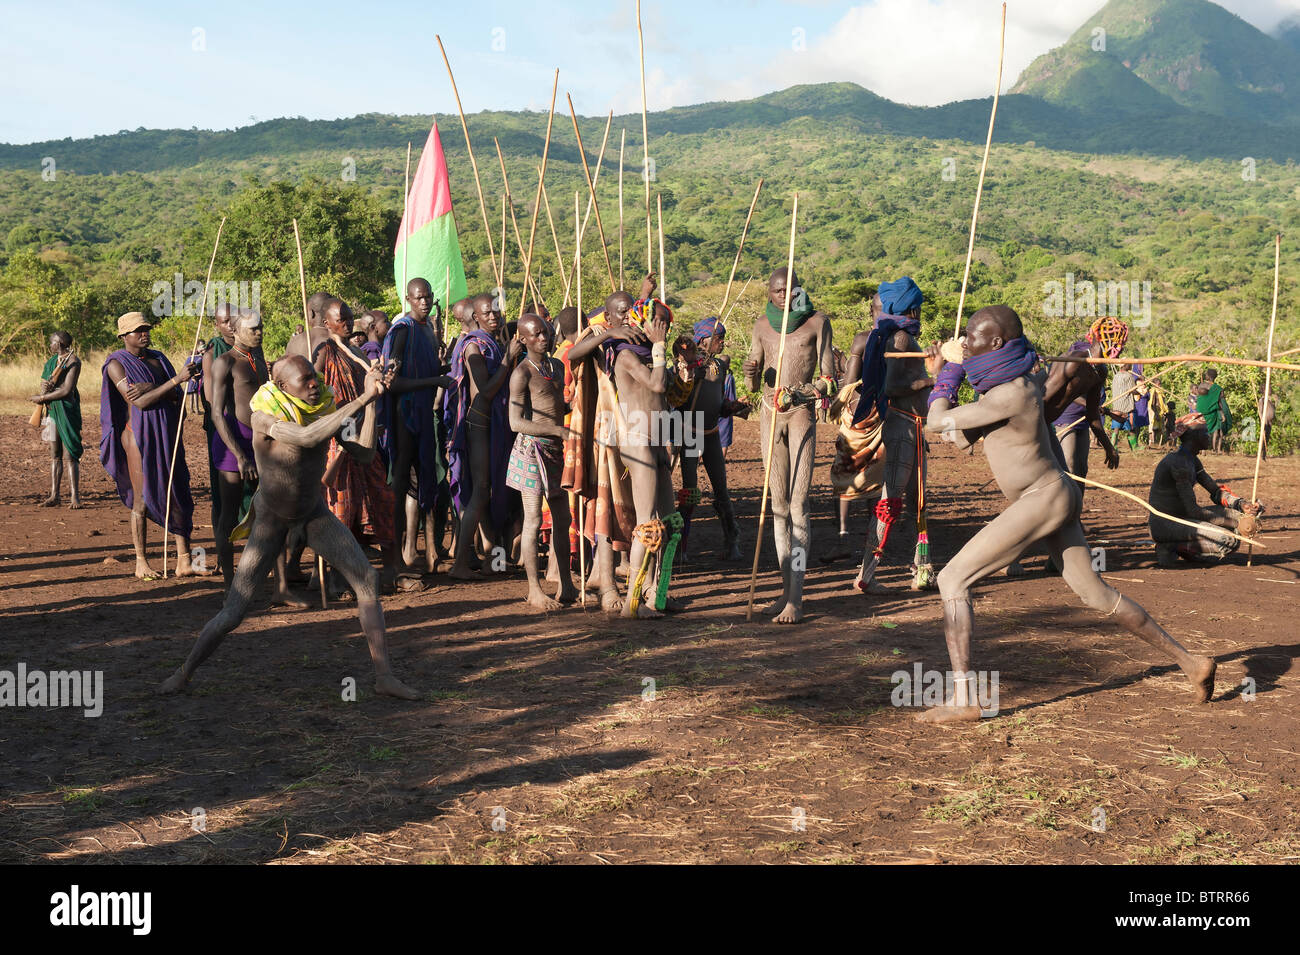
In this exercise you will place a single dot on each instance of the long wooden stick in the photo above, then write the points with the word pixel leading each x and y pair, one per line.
pixel 501 282
pixel 595 177
pixel 406 219
pixel 482 205
pixel 1061 431
pixel 744 288
pixel 979 191
pixel 622 141
pixel 537 200
pixel 1157 513
pixel 591 188
pixel 582 323
pixel 529 287
pixel 1268 379
pixel 645 136
pixel 776 392
pixel 659 220
pixel 180 422
pixel 559 256
pixel 306 350
pixel 1290 351
pixel 1160 360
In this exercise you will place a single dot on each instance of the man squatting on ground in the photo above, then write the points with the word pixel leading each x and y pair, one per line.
pixel 807 348
pixel 294 418
pixel 1044 501
pixel 1173 490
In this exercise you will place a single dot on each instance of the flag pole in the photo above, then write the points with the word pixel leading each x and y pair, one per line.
pixel 406 220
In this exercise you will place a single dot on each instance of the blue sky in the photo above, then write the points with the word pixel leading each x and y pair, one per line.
pixel 80 69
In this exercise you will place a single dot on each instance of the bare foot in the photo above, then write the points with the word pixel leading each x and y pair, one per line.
pixel 539 600
pixel 672 605
pixel 949 714
pixel 776 606
pixel 187 570
pixel 50 502
pixel 644 611
pixel 1201 676
pixel 144 571
pixel 791 614
pixel 1015 569
pixel 733 552
pixel 174 683
pixel 567 595
pixel 287 598
pixel 871 586
pixel 75 504
pixel 391 686
pixel 611 601
pixel 463 573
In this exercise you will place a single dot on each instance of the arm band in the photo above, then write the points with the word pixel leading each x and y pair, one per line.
pixel 946 384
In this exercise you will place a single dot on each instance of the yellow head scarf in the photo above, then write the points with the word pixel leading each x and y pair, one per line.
pixel 279 404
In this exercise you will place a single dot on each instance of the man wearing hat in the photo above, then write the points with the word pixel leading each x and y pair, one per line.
pixel 894 390
pixel 139 412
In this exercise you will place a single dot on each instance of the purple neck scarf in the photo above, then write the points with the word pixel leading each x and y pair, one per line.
pixel 997 367
pixel 154 430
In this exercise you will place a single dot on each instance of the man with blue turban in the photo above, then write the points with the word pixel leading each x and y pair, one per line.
pixel 894 390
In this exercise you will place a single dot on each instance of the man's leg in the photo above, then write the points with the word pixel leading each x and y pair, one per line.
pixel 715 464
pixel 1035 515
pixel 265 542
pixel 778 486
pixel 139 522
pixel 528 546
pixel 327 536
pixel 1069 546
pixel 900 471
pixel 56 470
pixel 801 435
pixel 474 519
pixel 230 489
pixel 560 522
pixel 643 473
pixel 690 482
pixel 74 481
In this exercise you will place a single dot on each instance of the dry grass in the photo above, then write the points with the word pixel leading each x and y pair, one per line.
pixel 20 377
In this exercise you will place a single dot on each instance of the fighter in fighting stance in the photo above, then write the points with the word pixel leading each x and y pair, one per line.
pixel 1045 503
pixel 294 418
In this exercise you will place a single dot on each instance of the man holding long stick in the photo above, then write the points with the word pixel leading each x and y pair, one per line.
pixel 807 350
pixel 1044 502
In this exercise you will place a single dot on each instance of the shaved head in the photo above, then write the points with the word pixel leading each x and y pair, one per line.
pixel 316 307
pixel 1001 317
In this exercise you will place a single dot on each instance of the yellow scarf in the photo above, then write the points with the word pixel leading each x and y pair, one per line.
pixel 279 404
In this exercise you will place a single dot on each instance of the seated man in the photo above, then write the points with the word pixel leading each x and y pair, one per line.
pixel 1173 490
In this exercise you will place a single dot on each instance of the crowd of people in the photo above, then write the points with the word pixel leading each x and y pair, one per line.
pixel 577 441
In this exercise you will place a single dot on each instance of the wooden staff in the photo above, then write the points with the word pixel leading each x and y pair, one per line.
pixel 595 178
pixel 771 432
pixel 645 135
pixel 519 241
pixel 537 200
pixel 473 165
pixel 1160 360
pixel 306 351
pixel 1290 351
pixel 1157 513
pixel 406 218
pixel 979 191
pixel 659 220
pixel 622 141
pixel 739 249
pixel 1268 380
pixel 180 423
pixel 591 189
pixel 582 323
pixel 743 290
pixel 501 284
pixel 1145 381
pixel 559 256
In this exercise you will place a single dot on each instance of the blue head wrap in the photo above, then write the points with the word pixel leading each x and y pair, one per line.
pixel 900 297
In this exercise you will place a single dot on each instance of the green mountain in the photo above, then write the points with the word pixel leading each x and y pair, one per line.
pixel 1190 53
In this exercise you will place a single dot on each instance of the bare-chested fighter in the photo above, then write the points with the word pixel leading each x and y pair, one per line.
pixel 537 461
pixel 635 360
pixel 61 403
pixel 895 389
pixel 294 418
pixel 1045 503
pixel 217 345
pixel 807 349
pixel 234 378
pixel 316 330
pixel 477 421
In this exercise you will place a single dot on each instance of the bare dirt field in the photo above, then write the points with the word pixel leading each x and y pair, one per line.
pixel 536 742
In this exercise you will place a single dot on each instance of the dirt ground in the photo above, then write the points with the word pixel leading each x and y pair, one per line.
pixel 536 740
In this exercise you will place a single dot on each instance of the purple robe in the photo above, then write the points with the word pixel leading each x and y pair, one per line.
pixel 155 435
pixel 420 360
pixel 456 423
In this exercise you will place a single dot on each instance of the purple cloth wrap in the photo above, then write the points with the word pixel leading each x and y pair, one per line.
pixel 223 459
pixel 946 384
pixel 997 367
pixel 456 421
pixel 154 430
pixel 414 409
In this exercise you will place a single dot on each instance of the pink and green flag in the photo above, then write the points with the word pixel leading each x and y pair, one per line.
pixel 427 241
